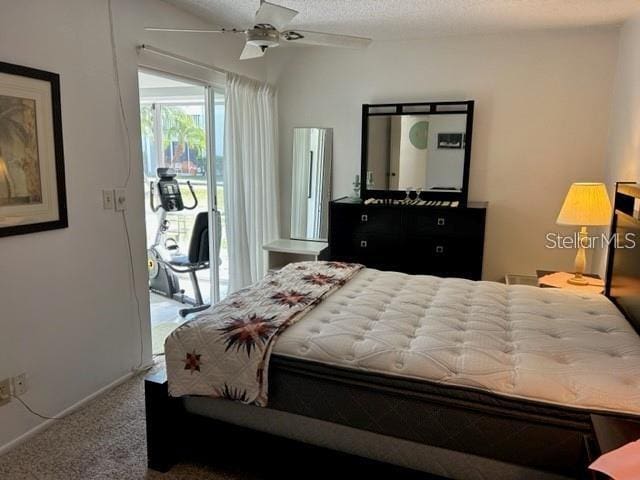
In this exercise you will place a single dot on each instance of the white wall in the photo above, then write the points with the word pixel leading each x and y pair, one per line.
pixel 542 108
pixel 445 166
pixel 623 152
pixel 623 148
pixel 68 317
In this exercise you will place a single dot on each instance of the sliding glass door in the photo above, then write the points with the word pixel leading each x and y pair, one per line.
pixel 182 127
pixel 215 100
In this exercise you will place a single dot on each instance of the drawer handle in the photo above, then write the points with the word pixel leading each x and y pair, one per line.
pixel 441 221
pixel 363 243
pixel 439 249
pixel 364 218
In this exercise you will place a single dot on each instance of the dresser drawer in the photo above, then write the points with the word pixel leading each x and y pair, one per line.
pixel 445 256
pixel 371 246
pixel 366 219
pixel 348 223
pixel 378 221
pixel 422 223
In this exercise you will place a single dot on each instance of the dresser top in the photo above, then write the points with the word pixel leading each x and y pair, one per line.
pixel 358 201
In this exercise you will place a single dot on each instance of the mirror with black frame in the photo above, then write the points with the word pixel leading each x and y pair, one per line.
pixel 311 183
pixel 421 147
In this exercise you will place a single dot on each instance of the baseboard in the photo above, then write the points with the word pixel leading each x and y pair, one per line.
pixel 144 367
pixel 47 423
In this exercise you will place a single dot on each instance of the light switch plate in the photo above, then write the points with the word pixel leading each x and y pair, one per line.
pixel 120 199
pixel 107 199
pixel 20 386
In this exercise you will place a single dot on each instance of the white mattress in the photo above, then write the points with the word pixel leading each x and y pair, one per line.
pixel 545 345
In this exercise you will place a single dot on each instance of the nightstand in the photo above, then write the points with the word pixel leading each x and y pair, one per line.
pixel 283 252
pixel 556 279
pixel 610 433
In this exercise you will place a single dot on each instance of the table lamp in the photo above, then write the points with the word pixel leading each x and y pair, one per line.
pixel 586 204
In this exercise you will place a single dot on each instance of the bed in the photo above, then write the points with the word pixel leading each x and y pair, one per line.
pixel 453 377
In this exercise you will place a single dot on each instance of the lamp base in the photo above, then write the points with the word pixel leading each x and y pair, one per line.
pixel 581 261
pixel 578 280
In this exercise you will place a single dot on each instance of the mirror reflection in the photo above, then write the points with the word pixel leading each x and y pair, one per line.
pixel 311 183
pixel 424 152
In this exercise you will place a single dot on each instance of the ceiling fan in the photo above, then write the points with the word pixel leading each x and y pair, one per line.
pixel 268 31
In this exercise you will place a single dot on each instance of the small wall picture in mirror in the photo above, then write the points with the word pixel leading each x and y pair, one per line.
pixel 311 183
pixel 451 140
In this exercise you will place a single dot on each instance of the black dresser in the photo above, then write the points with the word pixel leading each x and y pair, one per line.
pixel 446 242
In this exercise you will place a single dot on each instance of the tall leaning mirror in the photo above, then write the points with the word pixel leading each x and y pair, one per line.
pixel 311 183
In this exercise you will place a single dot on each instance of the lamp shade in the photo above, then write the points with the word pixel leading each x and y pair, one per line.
pixel 586 204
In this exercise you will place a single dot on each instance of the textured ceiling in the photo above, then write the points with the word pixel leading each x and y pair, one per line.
pixel 405 19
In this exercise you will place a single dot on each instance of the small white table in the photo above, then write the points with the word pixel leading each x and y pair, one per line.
pixel 283 252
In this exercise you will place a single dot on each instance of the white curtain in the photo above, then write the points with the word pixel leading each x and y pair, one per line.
pixel 250 168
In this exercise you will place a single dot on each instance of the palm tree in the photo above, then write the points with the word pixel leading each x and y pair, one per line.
pixel 12 129
pixel 181 128
pixel 4 179
pixel 146 120
pixel 148 134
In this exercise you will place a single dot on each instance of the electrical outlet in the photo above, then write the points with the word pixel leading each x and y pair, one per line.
pixel 5 391
pixel 120 199
pixel 107 199
pixel 19 384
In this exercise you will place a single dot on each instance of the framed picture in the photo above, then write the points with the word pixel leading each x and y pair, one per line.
pixel 451 140
pixel 32 181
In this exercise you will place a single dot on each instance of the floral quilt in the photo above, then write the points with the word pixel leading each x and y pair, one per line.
pixel 224 351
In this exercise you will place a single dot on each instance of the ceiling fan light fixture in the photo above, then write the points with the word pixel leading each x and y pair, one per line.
pixel 263 38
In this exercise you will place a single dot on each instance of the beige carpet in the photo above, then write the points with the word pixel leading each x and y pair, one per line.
pixel 105 441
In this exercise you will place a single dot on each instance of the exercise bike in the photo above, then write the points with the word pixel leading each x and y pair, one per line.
pixel 165 260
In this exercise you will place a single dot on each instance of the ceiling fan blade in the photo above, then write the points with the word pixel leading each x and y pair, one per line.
pixel 275 15
pixel 251 51
pixel 192 30
pixel 325 39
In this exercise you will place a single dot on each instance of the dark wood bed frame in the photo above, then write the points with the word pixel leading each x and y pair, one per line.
pixel 169 424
